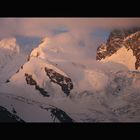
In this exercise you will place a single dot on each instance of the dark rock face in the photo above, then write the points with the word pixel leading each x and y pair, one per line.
pixel 129 38
pixel 64 82
pixel 6 116
pixel 17 71
pixel 134 44
pixel 32 82
pixel 59 114
pixel 21 67
pixel 7 81
pixel 28 58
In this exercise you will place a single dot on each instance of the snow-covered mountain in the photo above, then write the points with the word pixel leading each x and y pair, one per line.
pixel 41 76
pixel 11 58
pixel 123 46
pixel 53 85
pixel 8 49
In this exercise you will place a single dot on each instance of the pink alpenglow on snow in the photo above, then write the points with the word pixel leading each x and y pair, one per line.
pixel 69 70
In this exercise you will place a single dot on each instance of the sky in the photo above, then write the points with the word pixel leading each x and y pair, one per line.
pixel 90 32
pixel 41 27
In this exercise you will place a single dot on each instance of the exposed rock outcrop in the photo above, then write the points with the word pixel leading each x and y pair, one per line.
pixel 32 82
pixel 128 38
pixel 64 82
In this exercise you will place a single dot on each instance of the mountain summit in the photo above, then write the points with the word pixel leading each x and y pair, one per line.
pixel 9 44
pixel 11 58
pixel 42 76
pixel 122 46
pixel 8 49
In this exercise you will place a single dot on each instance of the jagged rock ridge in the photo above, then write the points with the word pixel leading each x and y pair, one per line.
pixel 64 82
pixel 128 38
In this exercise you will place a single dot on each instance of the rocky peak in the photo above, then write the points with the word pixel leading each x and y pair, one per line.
pixel 122 33
pixel 118 38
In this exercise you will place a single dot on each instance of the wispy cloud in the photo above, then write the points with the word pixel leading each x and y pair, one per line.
pixel 87 32
pixel 47 26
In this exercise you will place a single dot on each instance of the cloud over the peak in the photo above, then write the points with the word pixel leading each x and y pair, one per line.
pixel 89 32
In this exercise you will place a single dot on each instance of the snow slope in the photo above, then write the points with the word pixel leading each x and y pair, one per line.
pixel 122 56
pixel 11 58
pixel 25 109
pixel 81 89
pixel 117 102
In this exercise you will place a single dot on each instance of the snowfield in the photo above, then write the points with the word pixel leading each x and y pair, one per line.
pixel 55 86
